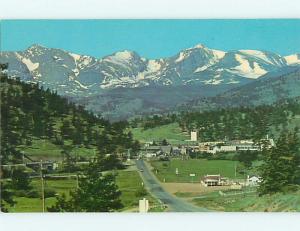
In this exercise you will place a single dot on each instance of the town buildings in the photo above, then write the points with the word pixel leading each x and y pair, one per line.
pixel 213 147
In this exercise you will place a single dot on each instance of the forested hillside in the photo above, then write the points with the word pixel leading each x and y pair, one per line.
pixel 244 123
pixel 233 123
pixel 29 112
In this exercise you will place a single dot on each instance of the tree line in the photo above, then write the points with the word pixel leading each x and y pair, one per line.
pixel 241 123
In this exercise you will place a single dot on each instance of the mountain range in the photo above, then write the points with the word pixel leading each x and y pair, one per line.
pixel 125 84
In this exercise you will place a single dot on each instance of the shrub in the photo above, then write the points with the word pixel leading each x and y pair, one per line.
pixel 290 188
pixel 21 193
pixel 50 193
pixel 28 194
pixel 33 194
pixel 141 192
pixel 165 165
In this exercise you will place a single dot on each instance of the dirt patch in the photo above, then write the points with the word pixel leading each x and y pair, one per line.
pixel 193 189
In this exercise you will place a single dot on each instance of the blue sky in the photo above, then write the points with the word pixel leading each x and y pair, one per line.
pixel 151 38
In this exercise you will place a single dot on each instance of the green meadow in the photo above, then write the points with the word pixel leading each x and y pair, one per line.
pixel 129 182
pixel 167 169
pixel 171 132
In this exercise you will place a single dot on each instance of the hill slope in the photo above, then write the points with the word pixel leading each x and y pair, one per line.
pixel 32 117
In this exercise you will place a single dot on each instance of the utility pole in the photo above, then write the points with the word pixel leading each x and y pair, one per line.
pixel 23 158
pixel 128 154
pixel 235 169
pixel 77 181
pixel 42 182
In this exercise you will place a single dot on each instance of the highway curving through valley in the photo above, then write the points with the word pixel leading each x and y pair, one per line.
pixel 153 185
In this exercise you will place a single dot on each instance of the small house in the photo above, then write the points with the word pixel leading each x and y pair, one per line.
pixel 214 180
pixel 253 180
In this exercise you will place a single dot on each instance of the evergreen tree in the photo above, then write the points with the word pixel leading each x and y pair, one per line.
pixel 6 196
pixel 280 165
pixel 96 193
pixel 68 159
pixel 20 179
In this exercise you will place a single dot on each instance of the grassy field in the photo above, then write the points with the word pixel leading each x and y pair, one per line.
pixel 25 204
pixel 250 202
pixel 128 182
pixel 43 149
pixel 200 167
pixel 170 132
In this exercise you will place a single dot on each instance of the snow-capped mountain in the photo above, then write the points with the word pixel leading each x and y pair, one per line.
pixel 71 73
pixel 125 84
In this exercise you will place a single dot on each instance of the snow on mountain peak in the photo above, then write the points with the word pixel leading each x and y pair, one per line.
pixel 199 46
pixel 219 54
pixel 258 54
pixel 76 57
pixel 124 54
pixel 196 65
pixel 245 69
pixel 153 66
pixel 187 52
pixel 292 59
pixel 183 55
pixel 216 56
pixel 30 65
pixel 120 57
pixel 36 46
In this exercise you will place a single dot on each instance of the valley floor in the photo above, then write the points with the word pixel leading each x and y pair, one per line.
pixel 219 198
pixel 128 181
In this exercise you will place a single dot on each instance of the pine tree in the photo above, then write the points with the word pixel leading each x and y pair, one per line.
pixel 96 193
pixel 280 165
pixel 20 179
pixel 68 159
pixel 6 196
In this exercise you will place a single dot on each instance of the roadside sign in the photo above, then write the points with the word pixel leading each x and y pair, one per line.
pixel 192 175
pixel 176 171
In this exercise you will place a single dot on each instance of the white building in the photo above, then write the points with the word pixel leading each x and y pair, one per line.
pixel 193 136
pixel 248 147
pixel 215 149
pixel 214 180
pixel 253 180
pixel 150 155
pixel 227 148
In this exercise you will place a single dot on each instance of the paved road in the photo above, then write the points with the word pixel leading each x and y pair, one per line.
pixel 174 204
